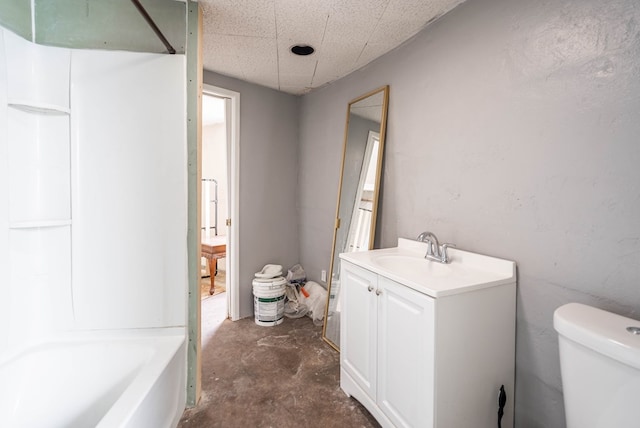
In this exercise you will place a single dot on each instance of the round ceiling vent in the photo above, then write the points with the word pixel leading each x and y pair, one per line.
pixel 302 50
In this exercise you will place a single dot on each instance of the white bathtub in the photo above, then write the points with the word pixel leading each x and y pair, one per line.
pixel 119 379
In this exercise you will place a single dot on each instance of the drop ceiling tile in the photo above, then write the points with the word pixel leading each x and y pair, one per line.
pixel 226 64
pixel 337 57
pixel 296 90
pixel 359 9
pixel 269 83
pixel 372 52
pixel 240 17
pixel 395 32
pixel 347 33
pixel 404 18
pixel 243 46
pixel 258 47
pixel 346 39
pixel 296 80
pixel 330 69
pixel 409 9
pixel 418 9
pixel 262 70
pixel 267 63
pixel 302 22
pixel 295 65
pixel 219 45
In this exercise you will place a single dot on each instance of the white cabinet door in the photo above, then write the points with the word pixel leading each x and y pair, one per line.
pixel 405 355
pixel 358 341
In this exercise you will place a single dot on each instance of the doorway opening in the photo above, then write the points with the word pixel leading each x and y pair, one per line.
pixel 214 185
pixel 219 204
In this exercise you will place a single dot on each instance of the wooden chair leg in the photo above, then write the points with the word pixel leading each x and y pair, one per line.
pixel 213 270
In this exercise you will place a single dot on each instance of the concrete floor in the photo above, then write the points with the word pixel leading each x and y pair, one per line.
pixel 282 376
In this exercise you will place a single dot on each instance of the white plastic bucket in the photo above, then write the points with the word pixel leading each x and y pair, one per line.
pixel 268 301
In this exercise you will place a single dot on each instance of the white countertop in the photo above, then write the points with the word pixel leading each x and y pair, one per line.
pixel 467 271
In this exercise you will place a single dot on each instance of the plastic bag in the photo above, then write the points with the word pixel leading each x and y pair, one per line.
pixel 316 302
pixel 296 275
pixel 294 307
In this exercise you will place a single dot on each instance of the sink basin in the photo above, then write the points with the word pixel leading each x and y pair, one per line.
pixel 406 265
pixel 414 265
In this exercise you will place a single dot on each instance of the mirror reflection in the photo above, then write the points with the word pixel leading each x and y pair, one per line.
pixel 357 194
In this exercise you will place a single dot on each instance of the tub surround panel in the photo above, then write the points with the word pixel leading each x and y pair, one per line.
pixel 38 133
pixel 26 62
pixel 39 167
pixel 101 187
pixel 512 131
pixel 129 188
pixel 37 250
pixel 5 290
pixel 130 206
pixel 40 279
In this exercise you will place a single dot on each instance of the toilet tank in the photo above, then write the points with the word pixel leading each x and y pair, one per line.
pixel 600 366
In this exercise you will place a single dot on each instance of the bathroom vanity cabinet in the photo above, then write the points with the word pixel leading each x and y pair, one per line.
pixel 415 357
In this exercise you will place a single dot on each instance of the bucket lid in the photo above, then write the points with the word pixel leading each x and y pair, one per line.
pixel 269 271
pixel 270 282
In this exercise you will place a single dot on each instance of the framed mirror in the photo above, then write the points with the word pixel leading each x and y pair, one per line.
pixel 358 190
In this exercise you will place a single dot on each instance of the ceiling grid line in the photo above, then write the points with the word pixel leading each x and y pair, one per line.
pixel 324 33
pixel 372 32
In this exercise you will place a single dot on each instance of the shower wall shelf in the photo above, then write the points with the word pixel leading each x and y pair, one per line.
pixel 39 224
pixel 48 109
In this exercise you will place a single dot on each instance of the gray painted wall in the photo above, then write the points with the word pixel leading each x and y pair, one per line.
pixel 513 131
pixel 268 174
pixel 322 126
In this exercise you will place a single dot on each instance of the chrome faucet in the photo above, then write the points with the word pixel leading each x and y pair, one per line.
pixel 435 251
pixel 433 247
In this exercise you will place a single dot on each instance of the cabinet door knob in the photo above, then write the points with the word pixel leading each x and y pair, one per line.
pixel 370 288
pixel 378 292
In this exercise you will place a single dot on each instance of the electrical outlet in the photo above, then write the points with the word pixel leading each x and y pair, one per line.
pixel 323 275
